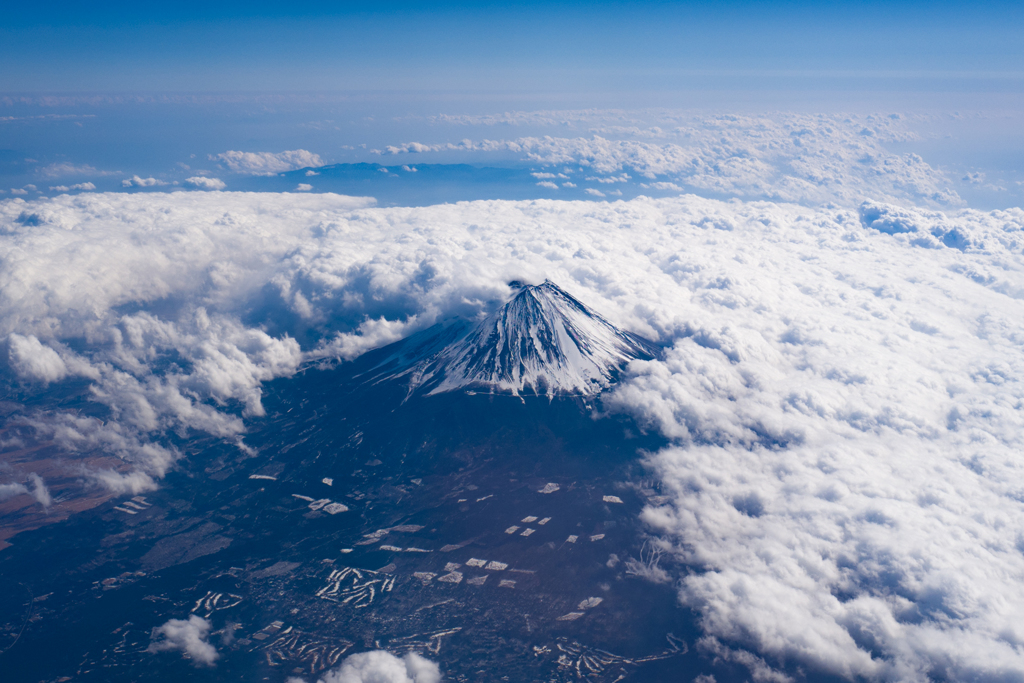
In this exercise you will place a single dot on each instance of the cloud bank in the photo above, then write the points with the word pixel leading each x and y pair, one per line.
pixel 841 385
pixel 810 159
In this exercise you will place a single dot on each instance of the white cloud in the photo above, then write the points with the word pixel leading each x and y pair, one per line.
pixel 203 183
pixel 17 191
pixel 189 636
pixel 596 193
pixel 662 186
pixel 570 118
pixel 136 181
pixel 8 491
pixel 415 148
pixel 76 434
pixel 46 117
pixel 227 361
pixel 844 479
pixel 812 159
pixel 303 187
pixel 623 178
pixel 547 184
pixel 39 490
pixel 268 163
pixel 32 361
pixel 841 386
pixel 86 187
pixel 378 666
pixel 760 671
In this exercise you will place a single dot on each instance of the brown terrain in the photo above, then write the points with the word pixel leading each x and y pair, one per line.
pixel 63 476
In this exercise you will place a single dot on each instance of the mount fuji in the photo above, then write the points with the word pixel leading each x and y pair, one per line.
pixel 542 342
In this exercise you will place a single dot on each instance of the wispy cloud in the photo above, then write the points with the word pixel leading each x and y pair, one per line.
pixel 268 163
pixel 66 168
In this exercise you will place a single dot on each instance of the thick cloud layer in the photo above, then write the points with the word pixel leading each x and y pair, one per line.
pixel 188 636
pixel 785 157
pixel 842 385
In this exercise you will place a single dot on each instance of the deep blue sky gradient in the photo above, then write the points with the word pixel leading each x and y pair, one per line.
pixel 156 88
pixel 471 47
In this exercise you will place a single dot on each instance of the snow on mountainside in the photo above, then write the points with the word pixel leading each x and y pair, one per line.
pixel 541 342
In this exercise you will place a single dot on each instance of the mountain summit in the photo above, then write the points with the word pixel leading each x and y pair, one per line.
pixel 543 341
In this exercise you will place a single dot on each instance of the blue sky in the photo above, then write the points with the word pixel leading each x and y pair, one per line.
pixel 482 47
pixel 158 89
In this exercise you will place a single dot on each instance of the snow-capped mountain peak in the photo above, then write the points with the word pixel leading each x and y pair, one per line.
pixel 542 341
